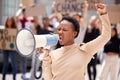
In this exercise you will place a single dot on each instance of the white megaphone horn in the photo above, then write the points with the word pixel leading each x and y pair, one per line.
pixel 26 42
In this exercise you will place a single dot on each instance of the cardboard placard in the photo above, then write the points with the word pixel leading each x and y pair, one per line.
pixel 7 39
pixel 92 4
pixel 114 13
pixel 27 2
pixel 36 10
pixel 69 5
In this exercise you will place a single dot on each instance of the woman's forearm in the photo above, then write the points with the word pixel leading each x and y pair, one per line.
pixel 95 45
pixel 46 67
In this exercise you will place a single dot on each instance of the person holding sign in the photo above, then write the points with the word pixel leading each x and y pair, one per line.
pixel 82 22
pixel 70 61
pixel 10 23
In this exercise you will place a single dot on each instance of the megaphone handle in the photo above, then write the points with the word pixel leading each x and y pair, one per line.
pixel 35 75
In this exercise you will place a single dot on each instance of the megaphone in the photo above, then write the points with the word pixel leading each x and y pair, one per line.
pixel 27 42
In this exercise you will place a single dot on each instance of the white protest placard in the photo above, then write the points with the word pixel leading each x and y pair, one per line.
pixel 7 39
pixel 92 4
pixel 36 10
pixel 114 13
pixel 27 2
pixel 68 5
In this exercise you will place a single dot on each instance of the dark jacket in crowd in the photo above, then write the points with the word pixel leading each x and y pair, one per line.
pixel 40 30
pixel 113 45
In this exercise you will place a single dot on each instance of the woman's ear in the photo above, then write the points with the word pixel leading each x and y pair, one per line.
pixel 75 33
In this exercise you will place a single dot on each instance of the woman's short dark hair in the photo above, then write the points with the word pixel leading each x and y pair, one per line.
pixel 75 23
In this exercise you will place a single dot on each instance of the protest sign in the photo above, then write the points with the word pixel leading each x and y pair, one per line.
pixel 114 13
pixel 7 39
pixel 69 5
pixel 27 2
pixel 36 10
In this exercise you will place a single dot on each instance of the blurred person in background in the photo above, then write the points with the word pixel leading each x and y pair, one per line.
pixel 118 29
pixel 23 22
pixel 92 32
pixel 82 22
pixel 9 24
pixel 37 29
pixel 110 65
pixel 47 27
pixel 55 19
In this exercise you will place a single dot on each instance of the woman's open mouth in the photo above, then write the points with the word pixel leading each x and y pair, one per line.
pixel 61 39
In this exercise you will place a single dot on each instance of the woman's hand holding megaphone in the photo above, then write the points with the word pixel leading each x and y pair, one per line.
pixel 45 54
pixel 43 51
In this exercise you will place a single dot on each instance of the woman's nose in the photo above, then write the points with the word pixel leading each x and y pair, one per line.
pixel 60 31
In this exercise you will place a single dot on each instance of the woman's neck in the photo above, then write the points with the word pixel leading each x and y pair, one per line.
pixel 69 44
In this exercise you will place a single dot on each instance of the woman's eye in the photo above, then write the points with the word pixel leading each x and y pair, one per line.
pixel 58 29
pixel 64 30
